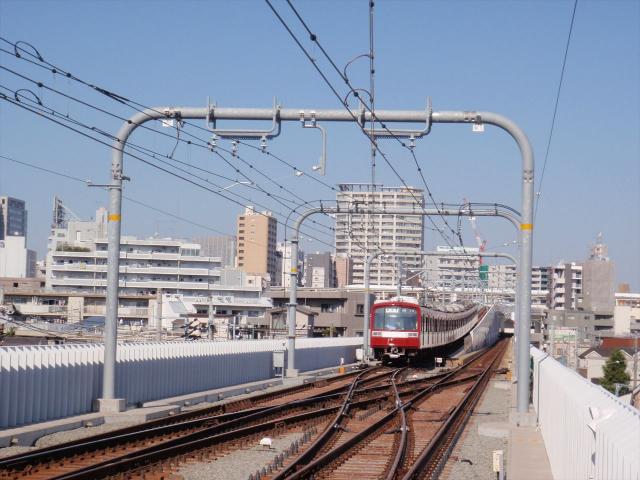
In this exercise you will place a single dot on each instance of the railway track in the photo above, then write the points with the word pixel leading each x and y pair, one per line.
pixel 188 426
pixel 378 423
pixel 407 439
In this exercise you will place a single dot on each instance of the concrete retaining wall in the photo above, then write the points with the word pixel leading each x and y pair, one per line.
pixel 41 383
pixel 588 432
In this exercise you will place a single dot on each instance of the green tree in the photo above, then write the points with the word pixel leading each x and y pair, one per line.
pixel 615 372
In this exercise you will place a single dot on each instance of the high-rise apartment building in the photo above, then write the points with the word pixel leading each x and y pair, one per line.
pixel 358 234
pixel 13 218
pixel 452 264
pixel 256 250
pixel 565 286
pixel 222 246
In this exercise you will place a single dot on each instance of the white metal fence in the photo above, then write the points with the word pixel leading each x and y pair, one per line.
pixel 485 333
pixel 587 431
pixel 39 383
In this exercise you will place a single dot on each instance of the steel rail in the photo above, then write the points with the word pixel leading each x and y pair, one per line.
pixel 324 437
pixel 311 468
pixel 187 444
pixel 169 425
pixel 467 404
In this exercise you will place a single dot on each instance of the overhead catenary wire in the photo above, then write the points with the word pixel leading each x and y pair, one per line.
pixel 123 100
pixel 314 38
pixel 47 110
pixel 41 109
pixel 74 178
pixel 198 143
pixel 147 162
pixel 555 109
pixel 55 70
pixel 178 139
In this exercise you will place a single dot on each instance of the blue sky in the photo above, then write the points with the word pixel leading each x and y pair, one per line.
pixel 502 56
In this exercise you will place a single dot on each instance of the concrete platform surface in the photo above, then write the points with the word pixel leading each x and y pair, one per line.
pixel 527 458
pixel 28 434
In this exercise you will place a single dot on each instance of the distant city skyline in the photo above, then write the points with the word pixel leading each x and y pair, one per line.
pixel 593 166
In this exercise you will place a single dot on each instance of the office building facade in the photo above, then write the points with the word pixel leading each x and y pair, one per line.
pixel 13 218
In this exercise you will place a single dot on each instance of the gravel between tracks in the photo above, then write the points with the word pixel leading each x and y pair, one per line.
pixel 238 465
pixel 492 408
pixel 66 436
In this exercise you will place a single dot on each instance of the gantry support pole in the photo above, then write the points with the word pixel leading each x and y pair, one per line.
pixel 109 402
pixel 277 114
pixel 462 211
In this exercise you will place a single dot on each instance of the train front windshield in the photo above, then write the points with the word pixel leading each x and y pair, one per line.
pixel 395 318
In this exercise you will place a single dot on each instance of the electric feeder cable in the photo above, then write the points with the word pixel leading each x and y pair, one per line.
pixel 121 99
pixel 49 111
pixel 314 38
pixel 333 89
pixel 149 163
pixel 555 108
pixel 130 199
pixel 154 154
pixel 203 145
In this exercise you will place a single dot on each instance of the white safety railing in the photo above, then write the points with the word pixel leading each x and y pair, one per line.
pixel 485 333
pixel 588 432
pixel 39 383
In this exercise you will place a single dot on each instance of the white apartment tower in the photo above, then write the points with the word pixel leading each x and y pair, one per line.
pixel 358 234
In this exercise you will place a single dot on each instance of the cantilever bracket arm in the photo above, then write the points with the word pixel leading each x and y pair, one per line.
pixel 241 134
pixel 400 133
pixel 312 123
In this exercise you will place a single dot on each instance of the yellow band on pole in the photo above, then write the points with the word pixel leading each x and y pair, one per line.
pixel 114 217
pixel 526 226
pixel 294 270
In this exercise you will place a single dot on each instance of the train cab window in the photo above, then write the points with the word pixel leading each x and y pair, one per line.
pixel 395 318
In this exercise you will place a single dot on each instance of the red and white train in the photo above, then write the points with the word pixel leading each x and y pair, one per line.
pixel 402 328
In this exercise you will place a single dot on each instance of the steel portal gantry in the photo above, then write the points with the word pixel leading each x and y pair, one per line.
pixel 278 115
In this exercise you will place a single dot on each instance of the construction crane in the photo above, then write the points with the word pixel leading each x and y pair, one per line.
pixel 482 244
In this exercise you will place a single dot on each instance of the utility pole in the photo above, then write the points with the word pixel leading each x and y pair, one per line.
pixel 399 277
pixel 552 338
pixel 635 361
pixel 159 315
pixel 210 319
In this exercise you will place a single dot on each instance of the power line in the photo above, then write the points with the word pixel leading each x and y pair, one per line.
pixel 48 111
pixel 314 38
pixel 121 99
pixel 130 199
pixel 199 143
pixel 555 107
pixel 149 163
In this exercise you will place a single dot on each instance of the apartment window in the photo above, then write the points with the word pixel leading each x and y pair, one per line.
pixel 327 308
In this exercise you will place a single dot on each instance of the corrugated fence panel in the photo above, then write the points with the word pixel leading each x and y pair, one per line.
pixel 42 383
pixel 588 432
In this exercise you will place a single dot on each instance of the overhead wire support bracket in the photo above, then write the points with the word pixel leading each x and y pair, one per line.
pixel 240 134
pixel 311 122
pixel 412 135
